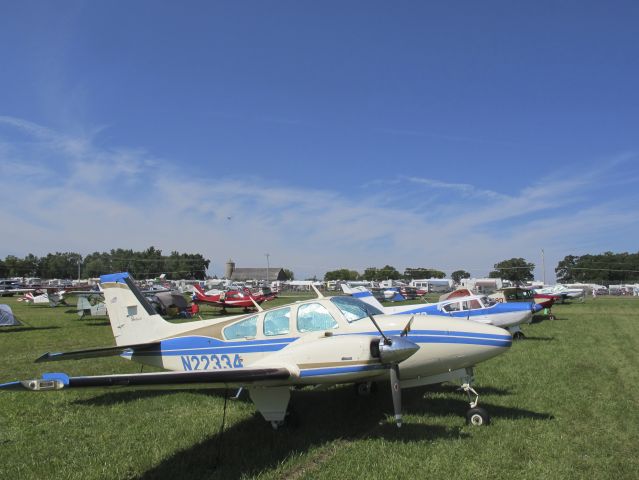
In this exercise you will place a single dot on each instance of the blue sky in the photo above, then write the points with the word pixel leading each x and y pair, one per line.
pixel 450 135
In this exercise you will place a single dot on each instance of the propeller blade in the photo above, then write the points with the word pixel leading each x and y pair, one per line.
pixel 397 393
pixel 386 340
pixel 407 327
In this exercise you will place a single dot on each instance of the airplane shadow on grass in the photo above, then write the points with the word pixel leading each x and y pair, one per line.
pixel 24 329
pixel 97 323
pixel 251 446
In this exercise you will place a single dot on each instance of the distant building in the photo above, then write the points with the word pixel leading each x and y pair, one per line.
pixel 261 274
pixel 482 285
pixel 271 274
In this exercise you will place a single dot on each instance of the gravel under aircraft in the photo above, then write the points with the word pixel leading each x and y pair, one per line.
pixel 317 342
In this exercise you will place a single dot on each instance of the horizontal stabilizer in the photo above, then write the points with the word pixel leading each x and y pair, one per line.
pixel 99 352
pixel 57 381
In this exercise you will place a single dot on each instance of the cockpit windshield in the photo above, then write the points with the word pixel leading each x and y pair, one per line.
pixel 353 308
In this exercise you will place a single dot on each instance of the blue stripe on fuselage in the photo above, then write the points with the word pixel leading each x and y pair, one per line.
pixel 207 345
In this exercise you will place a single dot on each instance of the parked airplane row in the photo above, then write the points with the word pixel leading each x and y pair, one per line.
pixel 317 342
pixel 478 308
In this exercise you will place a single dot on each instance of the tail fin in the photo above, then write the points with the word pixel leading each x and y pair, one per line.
pixel 198 290
pixel 133 318
pixel 364 294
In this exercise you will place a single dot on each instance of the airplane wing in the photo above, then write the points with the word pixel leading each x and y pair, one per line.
pixel 57 381
pixel 99 352
pixel 13 291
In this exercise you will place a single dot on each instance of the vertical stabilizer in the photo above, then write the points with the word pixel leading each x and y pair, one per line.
pixel 365 295
pixel 133 318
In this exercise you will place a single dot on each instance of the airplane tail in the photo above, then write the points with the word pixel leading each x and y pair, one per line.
pixel 133 318
pixel 365 295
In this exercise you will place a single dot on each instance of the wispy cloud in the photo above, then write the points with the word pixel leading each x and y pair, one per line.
pixel 85 197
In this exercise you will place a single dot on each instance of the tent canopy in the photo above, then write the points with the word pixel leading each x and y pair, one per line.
pixel 7 318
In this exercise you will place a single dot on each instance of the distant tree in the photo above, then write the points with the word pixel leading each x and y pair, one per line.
pixel 564 270
pixel 96 264
pixel 60 265
pixel 516 270
pixel 415 273
pixel 370 274
pixel 13 266
pixel 605 268
pixel 457 275
pixel 341 274
pixel 3 269
pixel 288 274
pixel 387 272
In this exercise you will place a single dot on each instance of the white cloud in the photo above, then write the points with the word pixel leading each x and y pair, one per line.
pixel 94 199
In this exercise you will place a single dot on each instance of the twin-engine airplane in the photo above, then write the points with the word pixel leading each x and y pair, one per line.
pixel 318 342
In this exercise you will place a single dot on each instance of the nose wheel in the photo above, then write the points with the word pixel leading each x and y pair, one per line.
pixel 475 416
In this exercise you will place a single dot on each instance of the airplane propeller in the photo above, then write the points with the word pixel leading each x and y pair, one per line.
pixel 392 351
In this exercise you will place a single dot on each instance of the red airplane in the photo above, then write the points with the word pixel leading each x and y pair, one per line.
pixel 231 298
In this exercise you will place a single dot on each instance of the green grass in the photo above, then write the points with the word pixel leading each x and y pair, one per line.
pixel 563 402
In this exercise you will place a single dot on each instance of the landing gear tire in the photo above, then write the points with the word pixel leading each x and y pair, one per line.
pixel 551 317
pixel 477 417
pixel 518 336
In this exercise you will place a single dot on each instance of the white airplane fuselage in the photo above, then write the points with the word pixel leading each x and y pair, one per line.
pixel 337 355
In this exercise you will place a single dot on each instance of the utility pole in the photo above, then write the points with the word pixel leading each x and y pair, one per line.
pixel 543 265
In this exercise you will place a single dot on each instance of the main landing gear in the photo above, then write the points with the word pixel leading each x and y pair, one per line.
pixel 519 335
pixel 475 415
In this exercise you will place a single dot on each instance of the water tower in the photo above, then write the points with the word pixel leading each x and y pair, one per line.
pixel 230 268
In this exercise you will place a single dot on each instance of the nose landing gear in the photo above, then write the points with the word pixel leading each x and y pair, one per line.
pixel 475 416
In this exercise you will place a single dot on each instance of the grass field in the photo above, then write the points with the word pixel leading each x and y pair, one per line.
pixel 564 404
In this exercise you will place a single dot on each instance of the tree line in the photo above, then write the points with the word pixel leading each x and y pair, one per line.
pixel 605 268
pixel 146 264
pixel 389 272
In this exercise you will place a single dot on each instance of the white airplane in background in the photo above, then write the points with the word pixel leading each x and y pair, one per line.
pixel 565 292
pixel 477 308
pixel 52 299
pixel 318 342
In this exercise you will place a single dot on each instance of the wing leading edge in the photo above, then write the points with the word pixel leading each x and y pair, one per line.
pixel 99 352
pixel 58 381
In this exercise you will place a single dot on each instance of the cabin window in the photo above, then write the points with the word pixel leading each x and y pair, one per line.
pixel 276 322
pixel 474 304
pixel 244 329
pixel 451 307
pixel 313 317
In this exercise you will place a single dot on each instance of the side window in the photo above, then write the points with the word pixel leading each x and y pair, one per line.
pixel 452 307
pixel 243 329
pixel 474 304
pixel 276 322
pixel 313 317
